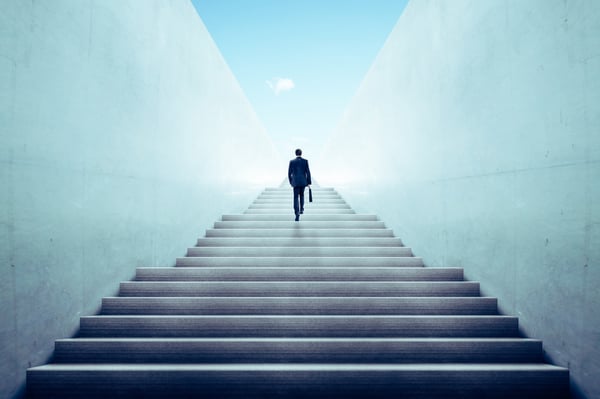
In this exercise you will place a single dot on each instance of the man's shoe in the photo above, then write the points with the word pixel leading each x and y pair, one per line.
pixel 297 218
pixel 302 211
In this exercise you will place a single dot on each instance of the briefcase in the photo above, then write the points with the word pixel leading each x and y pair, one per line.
pixel 309 194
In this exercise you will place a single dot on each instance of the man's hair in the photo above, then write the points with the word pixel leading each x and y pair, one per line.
pixel 298 152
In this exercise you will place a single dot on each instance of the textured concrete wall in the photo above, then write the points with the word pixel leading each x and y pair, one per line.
pixel 123 136
pixel 476 136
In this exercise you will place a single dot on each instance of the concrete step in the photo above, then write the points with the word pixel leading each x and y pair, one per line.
pixel 289 192
pixel 303 224
pixel 262 261
pixel 290 210
pixel 298 274
pixel 289 200
pixel 276 380
pixel 285 217
pixel 299 242
pixel 290 196
pixel 331 381
pixel 299 251
pixel 287 189
pixel 307 206
pixel 288 204
pixel 298 350
pixel 300 232
pixel 298 288
pixel 299 326
pixel 299 306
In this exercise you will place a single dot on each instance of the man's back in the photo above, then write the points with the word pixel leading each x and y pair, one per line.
pixel 299 173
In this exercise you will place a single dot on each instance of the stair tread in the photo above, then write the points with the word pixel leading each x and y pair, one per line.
pixel 314 247
pixel 314 268
pixel 315 224
pixel 324 317
pixel 299 241
pixel 297 273
pixel 296 339
pixel 299 305
pixel 303 258
pixel 299 325
pixel 297 232
pixel 350 217
pixel 304 366
pixel 304 298
pixel 298 350
pixel 316 380
pixel 302 282
pixel 315 251
pixel 294 261
pixel 309 257
pixel 302 288
pixel 283 211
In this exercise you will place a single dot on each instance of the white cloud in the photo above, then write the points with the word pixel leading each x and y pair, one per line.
pixel 280 84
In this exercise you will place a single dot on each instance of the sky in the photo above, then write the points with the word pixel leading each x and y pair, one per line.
pixel 299 62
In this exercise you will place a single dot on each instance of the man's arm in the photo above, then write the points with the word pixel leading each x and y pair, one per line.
pixel 290 173
pixel 308 174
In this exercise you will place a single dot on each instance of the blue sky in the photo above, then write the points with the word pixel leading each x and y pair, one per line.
pixel 323 48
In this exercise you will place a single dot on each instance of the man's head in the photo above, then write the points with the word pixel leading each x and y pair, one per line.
pixel 298 152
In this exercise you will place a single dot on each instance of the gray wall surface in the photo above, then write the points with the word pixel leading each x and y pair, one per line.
pixel 476 137
pixel 123 136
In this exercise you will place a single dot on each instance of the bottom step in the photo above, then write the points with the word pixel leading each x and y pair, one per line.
pixel 299 380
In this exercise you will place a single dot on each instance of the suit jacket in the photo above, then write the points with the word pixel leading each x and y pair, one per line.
pixel 299 173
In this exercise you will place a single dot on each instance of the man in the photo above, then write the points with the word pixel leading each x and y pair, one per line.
pixel 299 177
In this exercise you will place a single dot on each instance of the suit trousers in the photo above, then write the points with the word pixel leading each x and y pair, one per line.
pixel 299 199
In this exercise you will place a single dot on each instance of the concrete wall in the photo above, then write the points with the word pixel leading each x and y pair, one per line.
pixel 476 137
pixel 123 136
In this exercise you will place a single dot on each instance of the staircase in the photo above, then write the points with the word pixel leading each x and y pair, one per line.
pixel 333 306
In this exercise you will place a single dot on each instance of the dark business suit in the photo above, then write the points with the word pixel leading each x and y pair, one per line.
pixel 299 177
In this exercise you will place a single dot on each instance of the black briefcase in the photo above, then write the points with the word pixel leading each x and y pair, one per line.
pixel 309 195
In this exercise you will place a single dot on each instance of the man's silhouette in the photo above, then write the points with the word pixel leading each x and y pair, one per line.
pixel 299 176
